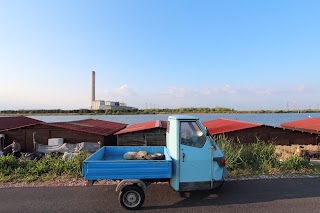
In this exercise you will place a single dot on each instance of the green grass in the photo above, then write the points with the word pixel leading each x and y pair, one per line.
pixel 242 160
pixel 259 157
pixel 24 170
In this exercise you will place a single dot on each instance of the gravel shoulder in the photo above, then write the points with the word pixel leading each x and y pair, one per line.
pixel 55 183
pixel 81 182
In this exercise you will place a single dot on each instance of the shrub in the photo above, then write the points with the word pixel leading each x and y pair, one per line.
pixel 8 164
pixel 295 163
pixel 257 157
pixel 231 150
pixel 12 169
pixel 260 156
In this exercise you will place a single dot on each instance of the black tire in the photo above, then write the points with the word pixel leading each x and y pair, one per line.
pixel 131 197
pixel 155 156
pixel 218 185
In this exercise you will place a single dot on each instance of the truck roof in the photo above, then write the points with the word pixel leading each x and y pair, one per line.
pixel 183 117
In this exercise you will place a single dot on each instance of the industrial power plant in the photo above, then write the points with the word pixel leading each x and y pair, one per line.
pixel 104 105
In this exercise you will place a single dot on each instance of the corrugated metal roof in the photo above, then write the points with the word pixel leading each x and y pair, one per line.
pixel 16 122
pixel 222 125
pixel 309 124
pixel 93 126
pixel 144 126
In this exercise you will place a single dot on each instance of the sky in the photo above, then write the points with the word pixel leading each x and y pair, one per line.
pixel 244 55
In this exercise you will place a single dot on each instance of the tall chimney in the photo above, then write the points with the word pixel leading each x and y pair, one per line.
pixel 93 89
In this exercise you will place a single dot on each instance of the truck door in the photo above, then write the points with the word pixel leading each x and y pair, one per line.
pixel 195 155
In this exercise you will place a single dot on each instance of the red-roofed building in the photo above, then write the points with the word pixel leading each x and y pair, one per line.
pixel 89 130
pixel 311 125
pixel 13 123
pixel 99 127
pixel 151 133
pixel 16 122
pixel 222 125
pixel 248 132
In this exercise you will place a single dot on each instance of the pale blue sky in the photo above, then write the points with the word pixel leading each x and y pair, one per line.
pixel 244 54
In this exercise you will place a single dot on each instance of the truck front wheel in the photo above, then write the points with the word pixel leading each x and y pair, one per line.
pixel 131 197
pixel 218 185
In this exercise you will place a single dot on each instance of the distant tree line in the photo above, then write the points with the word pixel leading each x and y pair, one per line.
pixel 189 110
pixel 112 112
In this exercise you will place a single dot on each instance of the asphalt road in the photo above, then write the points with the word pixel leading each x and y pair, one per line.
pixel 277 195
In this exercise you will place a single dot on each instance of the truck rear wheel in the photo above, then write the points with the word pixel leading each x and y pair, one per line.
pixel 131 197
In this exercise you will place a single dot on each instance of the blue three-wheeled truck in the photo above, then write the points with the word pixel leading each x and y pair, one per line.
pixel 190 161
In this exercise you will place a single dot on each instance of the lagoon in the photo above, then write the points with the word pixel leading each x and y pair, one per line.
pixel 272 119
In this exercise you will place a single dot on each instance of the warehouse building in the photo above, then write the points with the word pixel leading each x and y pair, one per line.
pixel 311 125
pixel 8 124
pixel 151 133
pixel 247 132
pixel 88 130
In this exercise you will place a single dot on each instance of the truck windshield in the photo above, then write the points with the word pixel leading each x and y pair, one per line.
pixel 191 135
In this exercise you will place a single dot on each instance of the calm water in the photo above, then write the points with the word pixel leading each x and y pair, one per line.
pixel 268 119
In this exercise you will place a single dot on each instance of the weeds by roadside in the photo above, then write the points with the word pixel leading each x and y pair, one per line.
pixel 24 170
pixel 259 158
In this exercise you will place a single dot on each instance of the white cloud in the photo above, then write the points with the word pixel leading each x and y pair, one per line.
pixel 185 92
pixel 237 97
pixel 124 90
pixel 119 92
pixel 228 89
pixel 301 88
pixel 276 91
pixel 262 92
pixel 178 92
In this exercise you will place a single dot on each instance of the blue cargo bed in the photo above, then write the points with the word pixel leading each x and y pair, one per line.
pixel 108 164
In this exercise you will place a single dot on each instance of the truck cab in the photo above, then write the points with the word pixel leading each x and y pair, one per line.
pixel 198 163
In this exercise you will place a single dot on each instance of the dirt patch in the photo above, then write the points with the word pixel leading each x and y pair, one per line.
pixel 56 183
